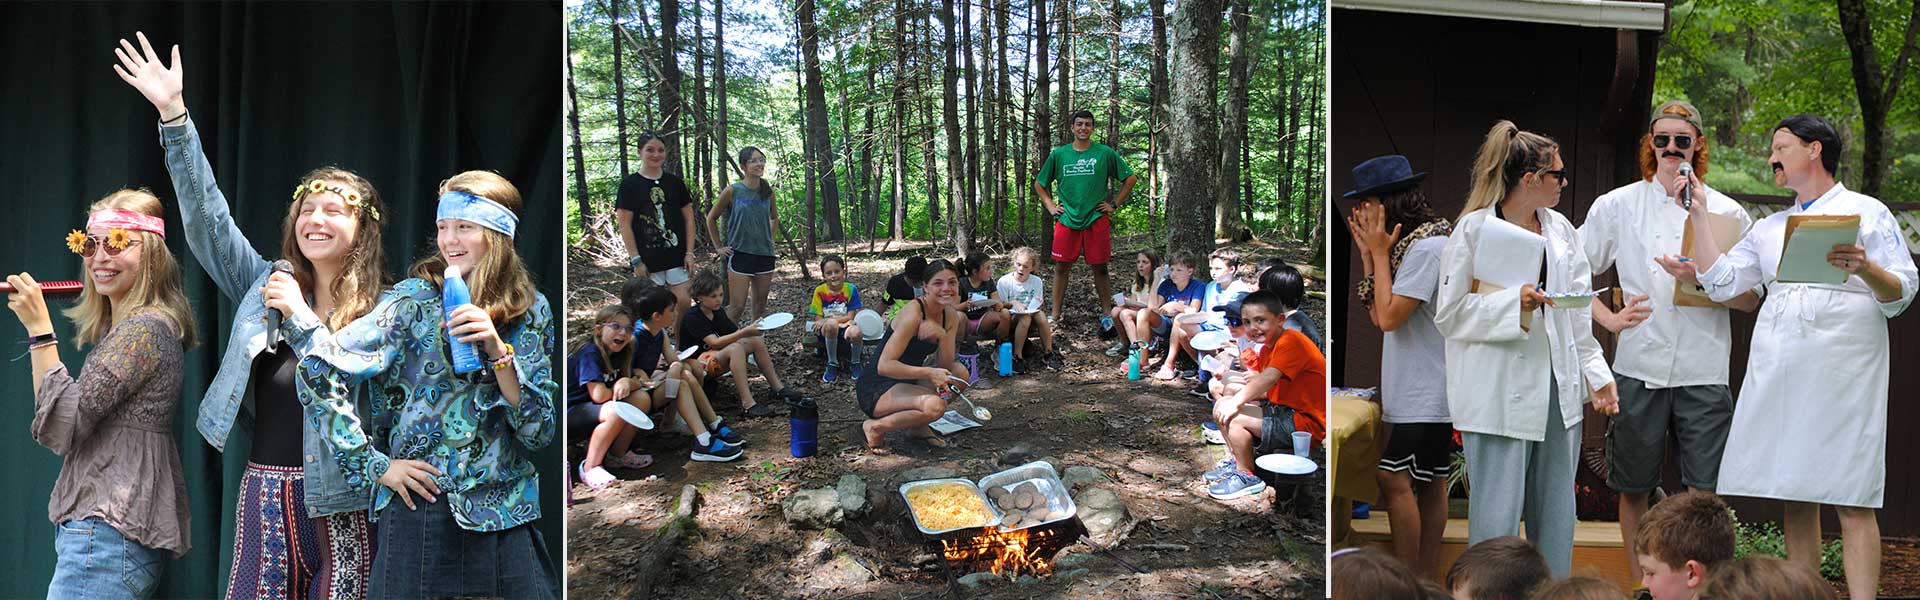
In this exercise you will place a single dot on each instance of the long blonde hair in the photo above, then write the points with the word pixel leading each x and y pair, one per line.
pixel 357 287
pixel 1507 154
pixel 498 281
pixel 156 279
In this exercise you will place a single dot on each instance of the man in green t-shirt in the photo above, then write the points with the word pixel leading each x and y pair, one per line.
pixel 1084 173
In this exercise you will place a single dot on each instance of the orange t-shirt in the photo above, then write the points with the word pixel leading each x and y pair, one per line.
pixel 1303 380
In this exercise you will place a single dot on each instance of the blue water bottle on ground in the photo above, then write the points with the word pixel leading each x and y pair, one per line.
pixel 1133 367
pixel 454 294
pixel 803 423
pixel 1006 359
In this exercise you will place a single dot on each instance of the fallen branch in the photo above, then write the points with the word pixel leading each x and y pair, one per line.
pixel 667 542
pixel 1167 547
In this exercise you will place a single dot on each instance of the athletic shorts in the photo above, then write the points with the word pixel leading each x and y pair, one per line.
pixel 750 264
pixel 1276 429
pixel 670 277
pixel 1095 242
pixel 1698 416
pixel 1423 449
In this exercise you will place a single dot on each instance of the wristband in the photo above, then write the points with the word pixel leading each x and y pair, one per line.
pixel 44 338
pixel 506 358
pixel 633 262
pixel 182 117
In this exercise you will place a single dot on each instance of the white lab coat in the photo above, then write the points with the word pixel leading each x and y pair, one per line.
pixel 1497 372
pixel 1810 424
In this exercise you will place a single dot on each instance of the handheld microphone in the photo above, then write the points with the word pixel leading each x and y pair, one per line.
pixel 1686 191
pixel 273 314
pixel 50 288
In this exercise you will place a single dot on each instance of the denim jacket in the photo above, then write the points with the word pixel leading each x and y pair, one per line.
pixel 240 272
pixel 460 424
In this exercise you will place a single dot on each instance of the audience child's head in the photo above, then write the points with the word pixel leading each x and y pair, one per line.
pixel 708 290
pixel 1181 265
pixel 975 265
pixel 1145 263
pixel 632 290
pixel 613 336
pixel 833 269
pixel 1579 588
pixel 1024 261
pixel 916 270
pixel 1369 573
pixel 655 307
pixel 1223 265
pixel 1284 280
pixel 1681 541
pixel 1263 316
pixel 1762 577
pixel 1502 568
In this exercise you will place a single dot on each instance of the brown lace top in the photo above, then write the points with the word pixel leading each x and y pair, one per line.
pixel 113 425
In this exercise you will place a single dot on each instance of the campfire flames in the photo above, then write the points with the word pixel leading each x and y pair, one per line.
pixel 1005 553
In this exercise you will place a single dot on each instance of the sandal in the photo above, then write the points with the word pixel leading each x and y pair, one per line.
pixel 597 478
pixel 1165 375
pixel 632 460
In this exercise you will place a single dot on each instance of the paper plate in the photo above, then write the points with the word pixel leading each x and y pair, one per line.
pixel 1209 341
pixel 1193 318
pixel 631 414
pixel 689 352
pixel 1025 311
pixel 872 325
pixel 1572 300
pixel 1286 464
pixel 775 321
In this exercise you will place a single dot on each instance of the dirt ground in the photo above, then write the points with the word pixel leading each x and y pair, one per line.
pixel 1143 435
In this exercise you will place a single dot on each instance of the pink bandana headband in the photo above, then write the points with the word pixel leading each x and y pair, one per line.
pixel 128 220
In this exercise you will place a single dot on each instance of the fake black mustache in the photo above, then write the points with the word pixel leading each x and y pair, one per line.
pixel 1779 167
pixel 1672 154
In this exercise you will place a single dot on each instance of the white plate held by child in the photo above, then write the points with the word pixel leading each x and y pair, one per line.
pixel 1208 341
pixel 872 325
pixel 689 352
pixel 1285 464
pixel 631 414
pixel 775 321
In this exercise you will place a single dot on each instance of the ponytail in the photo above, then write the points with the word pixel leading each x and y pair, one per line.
pixel 1505 156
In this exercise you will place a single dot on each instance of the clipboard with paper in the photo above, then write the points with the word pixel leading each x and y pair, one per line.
pixel 1809 238
pixel 1726 233
pixel 1506 256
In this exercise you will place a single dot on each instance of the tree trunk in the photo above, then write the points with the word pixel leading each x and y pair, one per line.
pixel 670 105
pixel 854 193
pixel 1156 120
pixel 619 91
pixel 1043 117
pixel 1002 124
pixel 702 156
pixel 579 154
pixel 899 119
pixel 817 133
pixel 1875 87
pixel 720 94
pixel 1064 15
pixel 869 188
pixel 970 185
pixel 807 179
pixel 1113 79
pixel 1226 209
pixel 1193 153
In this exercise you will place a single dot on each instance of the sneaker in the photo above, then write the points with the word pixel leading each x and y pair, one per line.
pixel 716 451
pixel 1210 431
pixel 1053 361
pixel 853 373
pixel 787 393
pixel 1220 471
pixel 1189 374
pixel 759 410
pixel 1200 390
pixel 1105 330
pixel 831 373
pixel 596 478
pixel 726 434
pixel 1236 484
pixel 1117 349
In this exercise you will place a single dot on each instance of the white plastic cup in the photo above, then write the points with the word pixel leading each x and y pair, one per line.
pixel 1119 299
pixel 1301 443
pixel 673 390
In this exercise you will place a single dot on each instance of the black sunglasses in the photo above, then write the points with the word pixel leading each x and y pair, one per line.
pixel 1679 141
pixel 1560 173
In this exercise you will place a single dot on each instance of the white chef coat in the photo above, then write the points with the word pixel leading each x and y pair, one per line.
pixel 1497 372
pixel 1811 421
pixel 1677 345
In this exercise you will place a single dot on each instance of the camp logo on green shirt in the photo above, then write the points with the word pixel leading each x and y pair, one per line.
pixel 1085 179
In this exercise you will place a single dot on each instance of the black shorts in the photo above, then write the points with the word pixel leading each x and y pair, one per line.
pixel 1276 429
pixel 1697 419
pixel 750 264
pixel 1424 449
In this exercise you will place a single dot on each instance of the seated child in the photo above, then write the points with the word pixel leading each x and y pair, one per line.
pixel 1226 286
pixel 1502 568
pixel 657 307
pixel 1290 373
pixel 1135 313
pixel 904 286
pixel 833 306
pixel 1681 541
pixel 725 346
pixel 595 373
pixel 1023 292
pixel 1370 573
pixel 1762 577
pixel 1177 295
pixel 1579 588
pixel 1276 274
pixel 987 316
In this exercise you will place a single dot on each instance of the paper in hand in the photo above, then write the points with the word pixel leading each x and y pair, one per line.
pixel 1507 255
pixel 1809 239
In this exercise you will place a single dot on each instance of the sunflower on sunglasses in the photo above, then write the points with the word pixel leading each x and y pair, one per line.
pixel 116 241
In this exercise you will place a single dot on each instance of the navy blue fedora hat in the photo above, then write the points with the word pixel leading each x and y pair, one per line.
pixel 1382 174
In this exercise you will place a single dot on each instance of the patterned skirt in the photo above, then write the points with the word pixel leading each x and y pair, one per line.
pixel 280 553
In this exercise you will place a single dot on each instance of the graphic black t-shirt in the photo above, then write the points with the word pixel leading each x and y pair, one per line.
pixel 695 326
pixel 658 224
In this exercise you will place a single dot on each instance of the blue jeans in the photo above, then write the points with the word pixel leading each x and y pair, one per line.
pixel 423 553
pixel 95 561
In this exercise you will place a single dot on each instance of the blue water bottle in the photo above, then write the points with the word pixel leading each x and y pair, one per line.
pixel 1133 367
pixel 1006 359
pixel 454 294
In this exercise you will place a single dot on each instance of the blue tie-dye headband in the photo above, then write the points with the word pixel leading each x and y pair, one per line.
pixel 487 213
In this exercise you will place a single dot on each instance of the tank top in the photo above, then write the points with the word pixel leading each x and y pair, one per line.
pixel 749 221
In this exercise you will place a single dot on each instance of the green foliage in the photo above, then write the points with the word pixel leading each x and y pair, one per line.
pixel 1765 538
pixel 1746 65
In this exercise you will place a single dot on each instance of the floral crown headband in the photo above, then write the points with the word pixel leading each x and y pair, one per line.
pixel 351 197
pixel 120 225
